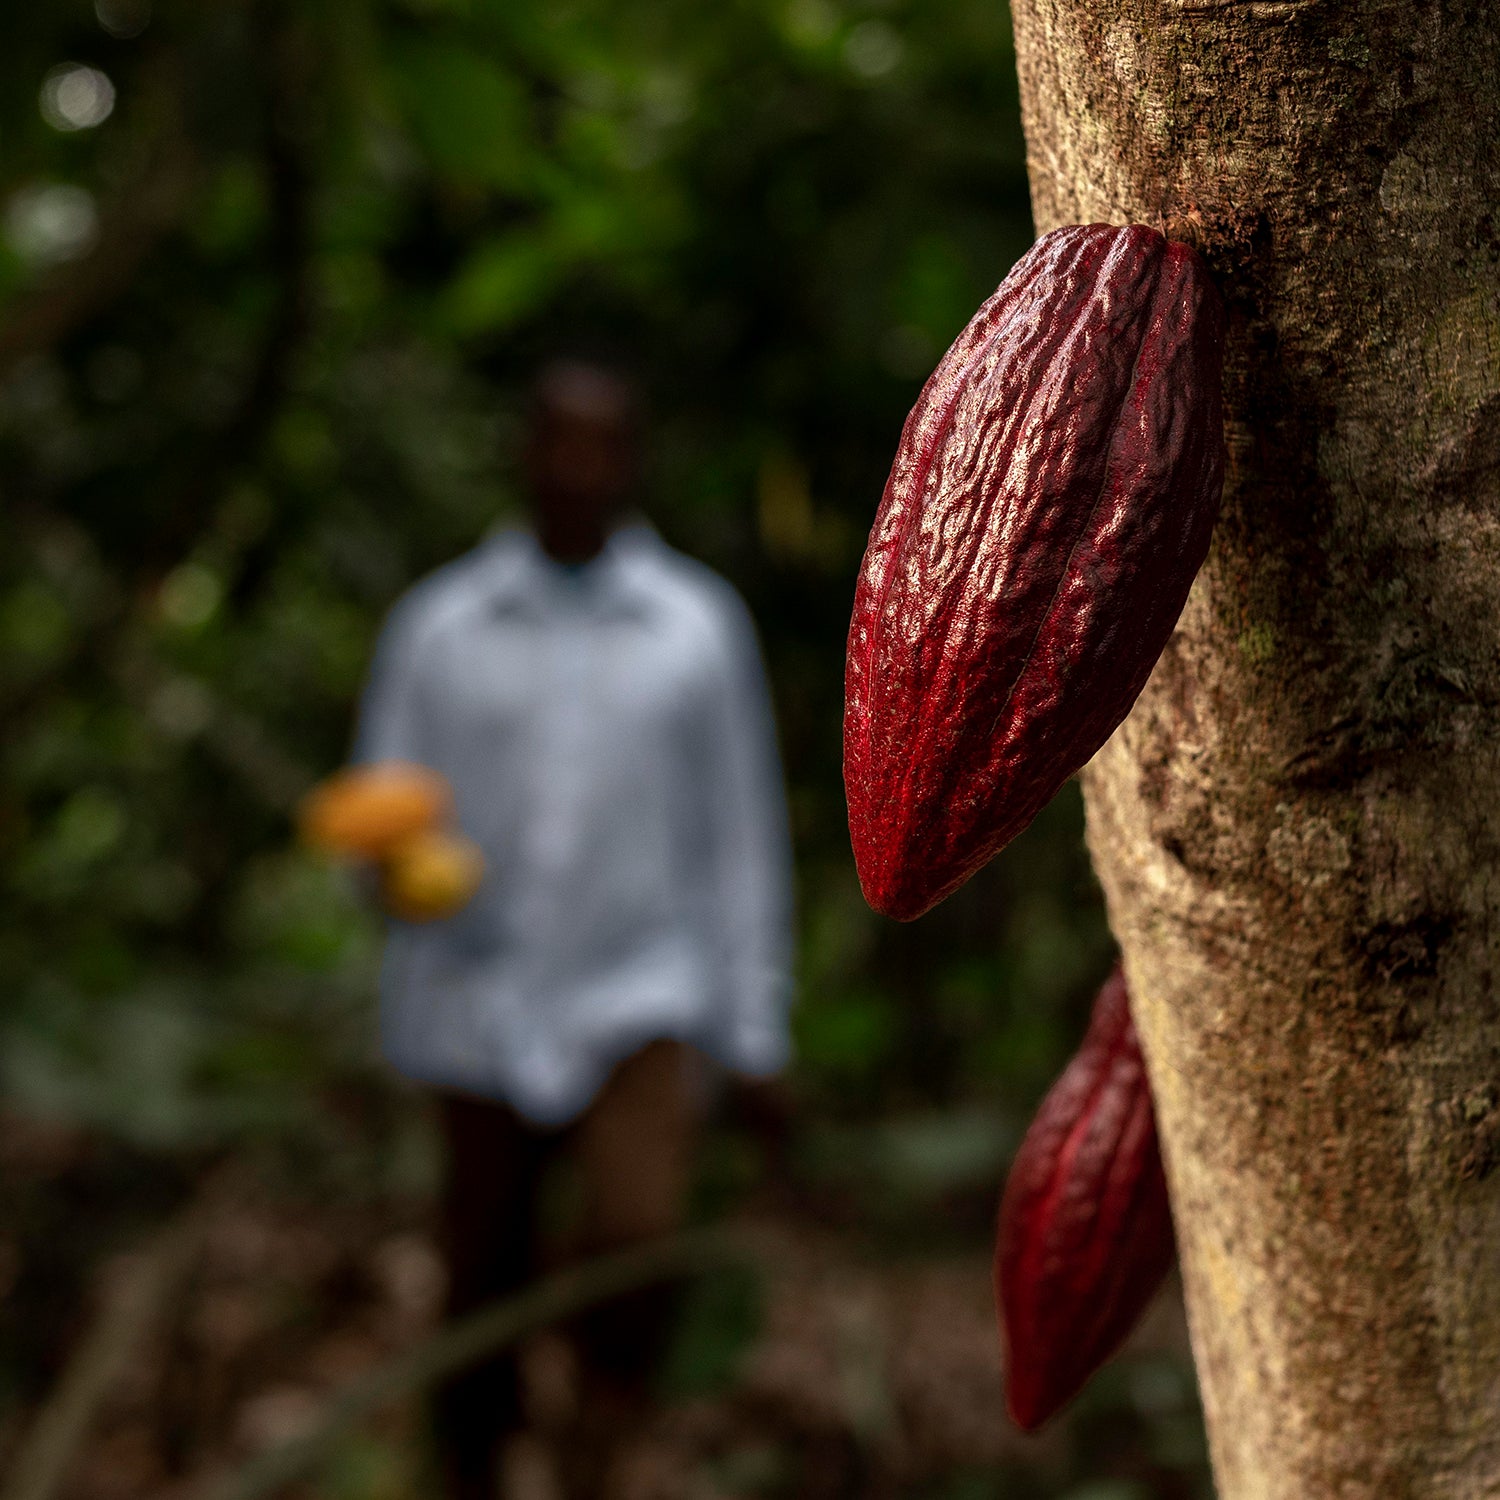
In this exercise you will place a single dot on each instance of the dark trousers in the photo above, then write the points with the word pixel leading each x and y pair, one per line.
pixel 632 1149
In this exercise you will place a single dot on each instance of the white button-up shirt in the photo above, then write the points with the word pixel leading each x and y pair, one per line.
pixel 608 736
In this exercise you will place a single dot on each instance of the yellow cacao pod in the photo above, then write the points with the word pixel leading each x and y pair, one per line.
pixel 366 811
pixel 430 875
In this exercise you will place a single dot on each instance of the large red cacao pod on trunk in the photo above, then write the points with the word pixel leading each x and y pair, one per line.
pixel 1050 502
pixel 1085 1235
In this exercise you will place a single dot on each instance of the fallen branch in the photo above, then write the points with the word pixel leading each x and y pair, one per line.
pixel 472 1338
pixel 130 1306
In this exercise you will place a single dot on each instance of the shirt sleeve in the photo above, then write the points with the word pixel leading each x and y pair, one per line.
pixel 390 724
pixel 751 852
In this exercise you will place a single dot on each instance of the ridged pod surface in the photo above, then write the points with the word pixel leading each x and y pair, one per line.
pixel 1051 500
pixel 1085 1235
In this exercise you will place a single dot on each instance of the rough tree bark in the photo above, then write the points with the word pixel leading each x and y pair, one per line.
pixel 1298 828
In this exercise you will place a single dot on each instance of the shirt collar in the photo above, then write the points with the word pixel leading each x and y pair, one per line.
pixel 520 577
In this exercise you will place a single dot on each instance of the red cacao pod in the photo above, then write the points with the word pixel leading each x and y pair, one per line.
pixel 1085 1235
pixel 1050 502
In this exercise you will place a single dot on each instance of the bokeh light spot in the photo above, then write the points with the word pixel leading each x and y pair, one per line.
pixel 51 221
pixel 123 19
pixel 873 49
pixel 76 97
pixel 190 596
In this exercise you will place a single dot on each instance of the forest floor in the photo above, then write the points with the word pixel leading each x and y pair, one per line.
pixel 860 1362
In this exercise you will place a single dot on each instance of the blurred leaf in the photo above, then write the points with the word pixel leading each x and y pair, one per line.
pixel 34 627
pixel 913 1156
pixel 467 112
pixel 850 1033
pixel 503 281
pixel 720 1316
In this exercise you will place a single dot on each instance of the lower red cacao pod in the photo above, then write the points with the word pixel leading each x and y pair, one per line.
pixel 1085 1236
pixel 1050 502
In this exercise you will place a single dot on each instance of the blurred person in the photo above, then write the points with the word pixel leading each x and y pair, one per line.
pixel 597 702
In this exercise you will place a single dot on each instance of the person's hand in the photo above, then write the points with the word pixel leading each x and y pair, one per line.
pixel 388 817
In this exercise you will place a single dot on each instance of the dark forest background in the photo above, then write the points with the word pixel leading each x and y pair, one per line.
pixel 273 277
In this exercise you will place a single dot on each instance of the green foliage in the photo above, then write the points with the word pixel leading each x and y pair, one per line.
pixel 720 1317
pixel 266 326
pixel 264 342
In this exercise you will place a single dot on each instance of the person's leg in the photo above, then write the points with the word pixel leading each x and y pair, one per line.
pixel 493 1162
pixel 634 1148
pixel 634 1145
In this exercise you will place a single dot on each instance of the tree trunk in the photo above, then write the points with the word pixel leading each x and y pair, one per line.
pixel 1298 827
